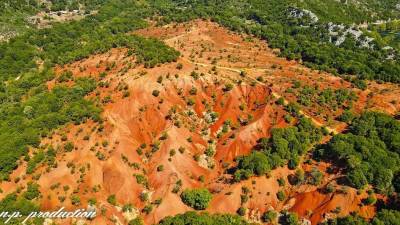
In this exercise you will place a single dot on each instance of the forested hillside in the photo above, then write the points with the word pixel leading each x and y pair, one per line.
pixel 301 35
pixel 352 11
pixel 21 57
pixel 15 15
pixel 297 33
pixel 370 151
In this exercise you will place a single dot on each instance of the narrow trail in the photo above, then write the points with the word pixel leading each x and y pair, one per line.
pixel 274 94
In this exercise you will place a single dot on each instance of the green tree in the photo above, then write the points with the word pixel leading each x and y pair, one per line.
pixel 32 191
pixel 196 198
pixel 269 216
pixel 203 218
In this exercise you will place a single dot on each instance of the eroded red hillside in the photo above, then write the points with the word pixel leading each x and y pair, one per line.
pixel 159 122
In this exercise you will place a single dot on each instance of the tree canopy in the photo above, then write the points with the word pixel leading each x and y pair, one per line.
pixel 203 219
pixel 196 198
pixel 284 147
pixel 370 151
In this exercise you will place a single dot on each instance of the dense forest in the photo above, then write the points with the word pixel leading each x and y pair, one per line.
pixel 370 151
pixel 203 218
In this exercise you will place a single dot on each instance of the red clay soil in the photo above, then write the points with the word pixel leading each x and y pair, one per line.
pixel 108 162
pixel 318 206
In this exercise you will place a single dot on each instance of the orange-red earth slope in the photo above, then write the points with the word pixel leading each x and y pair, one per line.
pixel 158 123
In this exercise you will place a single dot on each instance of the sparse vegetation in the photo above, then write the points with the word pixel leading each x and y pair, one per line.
pixel 155 93
pixel 112 200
